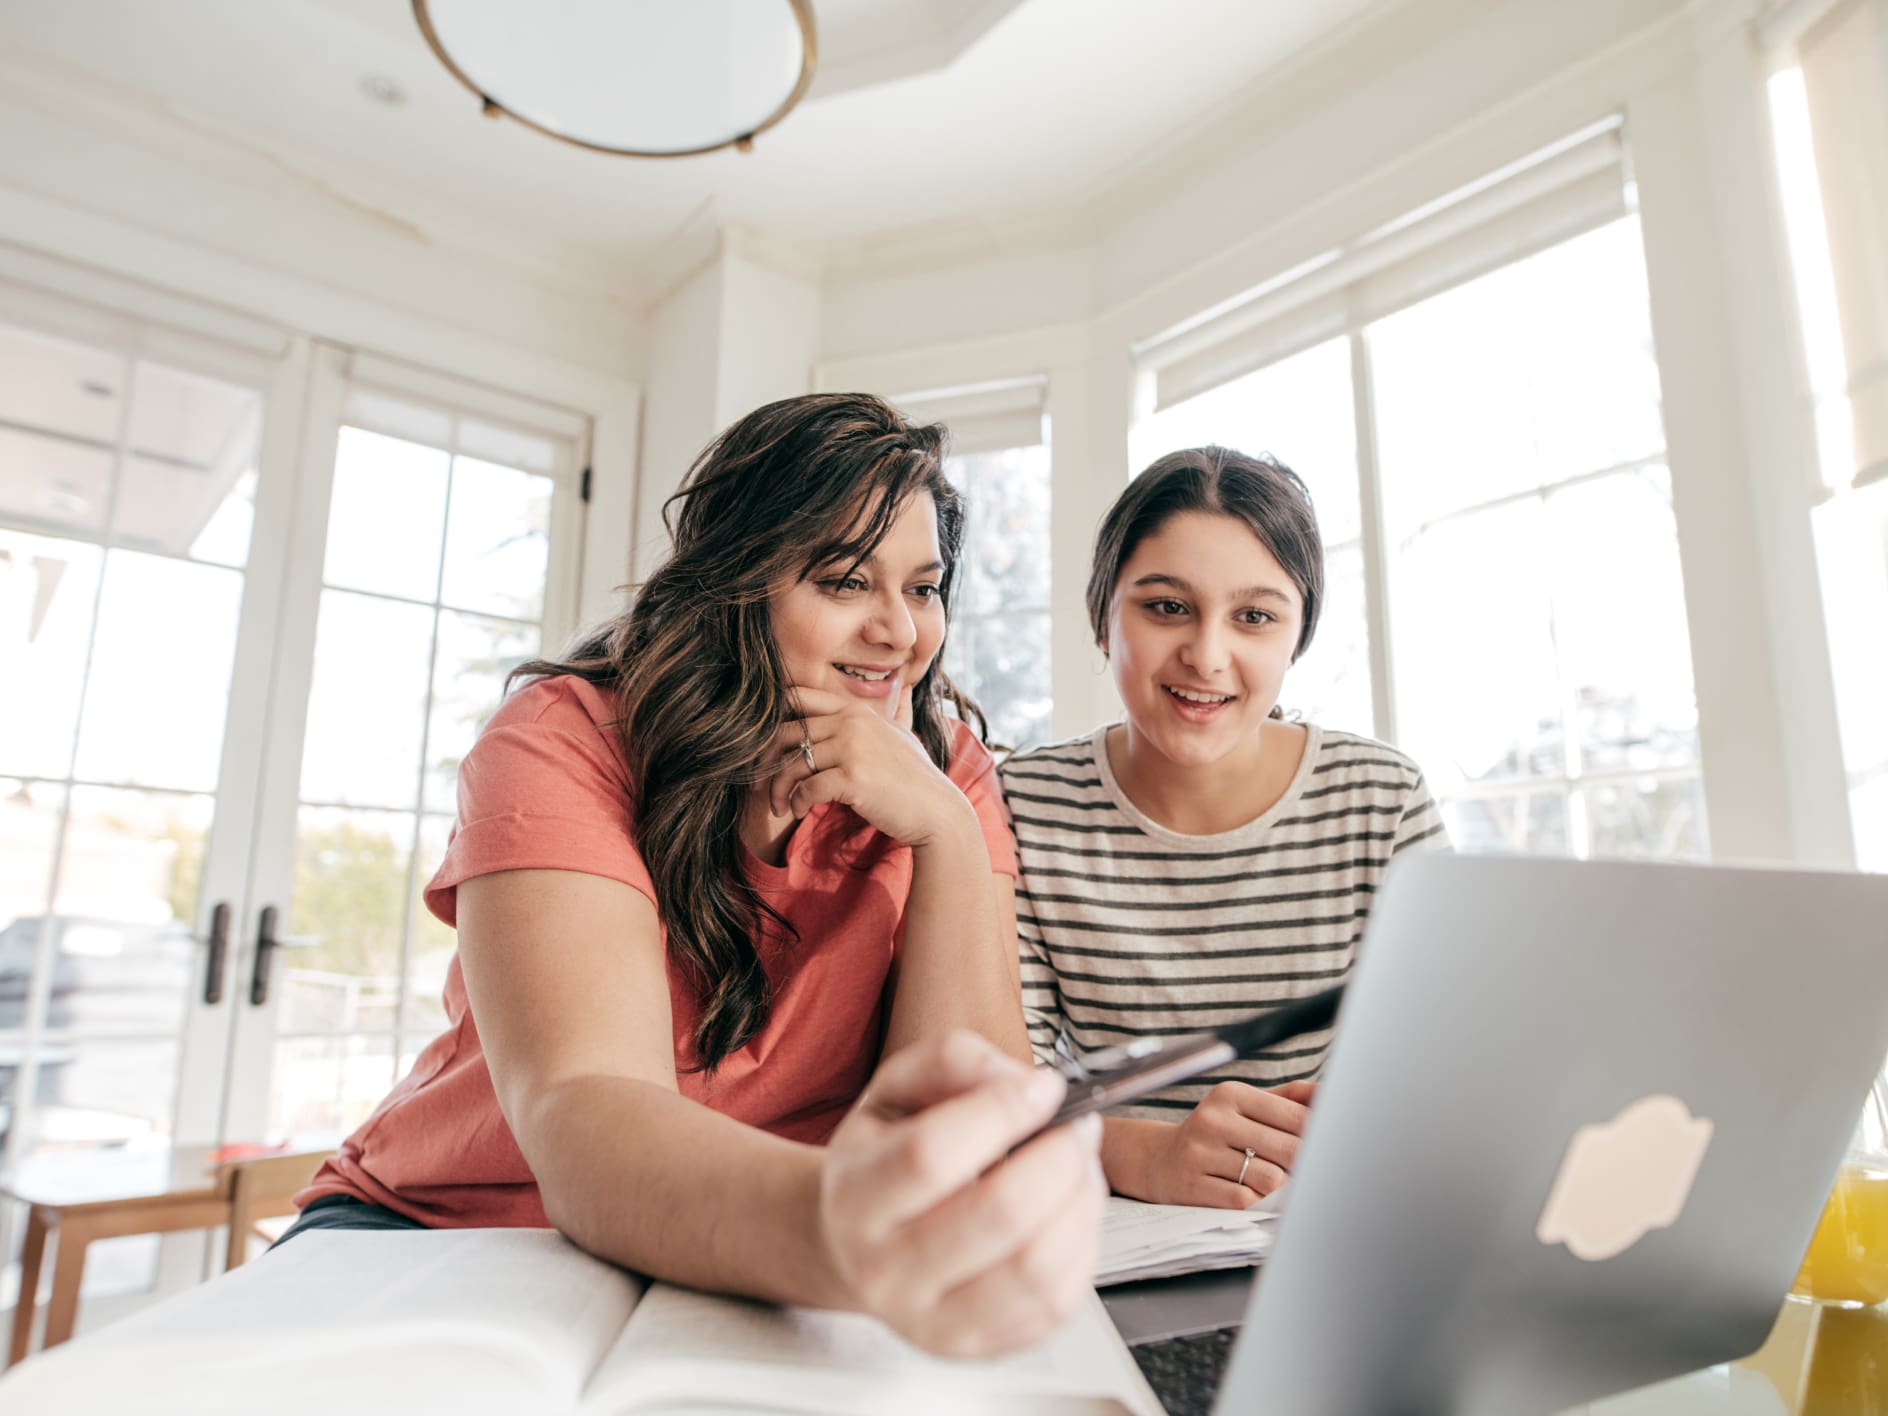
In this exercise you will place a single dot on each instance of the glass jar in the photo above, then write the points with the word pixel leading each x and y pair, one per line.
pixel 1847 1260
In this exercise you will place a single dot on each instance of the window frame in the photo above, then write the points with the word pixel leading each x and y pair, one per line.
pixel 1558 194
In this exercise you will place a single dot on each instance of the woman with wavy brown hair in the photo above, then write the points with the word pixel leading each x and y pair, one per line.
pixel 709 869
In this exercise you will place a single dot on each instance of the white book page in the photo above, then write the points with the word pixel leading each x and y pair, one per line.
pixel 700 1352
pixel 1139 1239
pixel 474 1320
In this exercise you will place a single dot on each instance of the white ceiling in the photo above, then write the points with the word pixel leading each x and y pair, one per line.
pixel 926 116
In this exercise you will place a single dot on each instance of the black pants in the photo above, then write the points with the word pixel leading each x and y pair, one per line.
pixel 346 1212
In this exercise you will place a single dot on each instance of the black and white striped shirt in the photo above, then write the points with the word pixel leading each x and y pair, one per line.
pixel 1127 929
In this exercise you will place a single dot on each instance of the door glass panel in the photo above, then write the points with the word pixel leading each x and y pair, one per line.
pixel 124 955
pixel 353 878
pixel 434 943
pixel 158 690
pixel 367 703
pixel 105 1092
pixel 119 649
pixel 52 483
pixel 184 513
pixel 470 664
pixel 404 678
pixel 386 515
pixel 191 467
pixel 321 1088
pixel 47 591
pixel 29 824
pixel 498 540
pixel 60 386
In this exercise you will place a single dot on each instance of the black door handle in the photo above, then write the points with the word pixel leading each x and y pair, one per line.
pixel 266 946
pixel 219 954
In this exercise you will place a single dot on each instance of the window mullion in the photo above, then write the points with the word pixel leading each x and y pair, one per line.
pixel 1376 569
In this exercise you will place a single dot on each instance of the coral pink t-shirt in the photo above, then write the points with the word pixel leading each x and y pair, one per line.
pixel 546 787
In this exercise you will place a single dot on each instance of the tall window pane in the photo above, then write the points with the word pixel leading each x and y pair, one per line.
pixel 435 587
pixel 998 649
pixel 1541 656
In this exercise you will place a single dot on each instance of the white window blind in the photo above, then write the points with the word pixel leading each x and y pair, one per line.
pixel 1547 197
pixel 985 417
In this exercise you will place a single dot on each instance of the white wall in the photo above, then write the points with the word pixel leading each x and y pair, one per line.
pixel 733 334
pixel 770 332
pixel 681 409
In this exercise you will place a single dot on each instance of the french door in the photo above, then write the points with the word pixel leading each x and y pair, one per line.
pixel 253 607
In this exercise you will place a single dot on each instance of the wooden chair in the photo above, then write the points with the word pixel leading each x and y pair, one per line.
pixel 260 1188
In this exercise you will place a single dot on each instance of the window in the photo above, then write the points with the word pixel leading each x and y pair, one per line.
pixel 1829 118
pixel 998 650
pixel 1475 407
pixel 1540 656
pixel 435 583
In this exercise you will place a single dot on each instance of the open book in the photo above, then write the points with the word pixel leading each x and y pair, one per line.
pixel 518 1321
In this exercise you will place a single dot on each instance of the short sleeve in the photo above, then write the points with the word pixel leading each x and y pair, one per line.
pixel 1421 827
pixel 974 771
pixel 545 787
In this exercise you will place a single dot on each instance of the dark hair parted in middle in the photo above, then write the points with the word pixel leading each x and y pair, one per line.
pixel 699 679
pixel 1265 494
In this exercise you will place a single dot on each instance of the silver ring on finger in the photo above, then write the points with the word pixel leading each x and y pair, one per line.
pixel 806 752
pixel 1240 1179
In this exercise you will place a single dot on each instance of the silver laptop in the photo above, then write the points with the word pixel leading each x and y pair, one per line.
pixel 1573 1138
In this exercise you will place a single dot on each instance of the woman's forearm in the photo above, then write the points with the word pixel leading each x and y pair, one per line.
pixel 654 1182
pixel 1127 1146
pixel 953 968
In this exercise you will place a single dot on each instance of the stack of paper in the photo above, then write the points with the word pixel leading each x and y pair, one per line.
pixel 1157 1241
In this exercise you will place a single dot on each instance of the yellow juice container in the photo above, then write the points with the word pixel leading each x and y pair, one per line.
pixel 1847 1261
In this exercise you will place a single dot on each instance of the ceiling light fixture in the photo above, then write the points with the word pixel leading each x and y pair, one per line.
pixel 640 78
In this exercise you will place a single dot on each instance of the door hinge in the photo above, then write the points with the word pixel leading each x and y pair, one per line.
pixel 583 487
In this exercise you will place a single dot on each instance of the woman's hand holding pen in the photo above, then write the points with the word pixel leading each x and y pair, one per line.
pixel 934 1228
pixel 841 750
pixel 1235 1147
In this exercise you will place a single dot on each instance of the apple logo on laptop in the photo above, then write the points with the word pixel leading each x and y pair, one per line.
pixel 1623 1178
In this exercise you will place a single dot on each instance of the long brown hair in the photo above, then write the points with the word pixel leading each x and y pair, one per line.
pixel 698 677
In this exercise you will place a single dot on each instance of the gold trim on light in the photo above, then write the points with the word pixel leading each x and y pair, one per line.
pixel 492 108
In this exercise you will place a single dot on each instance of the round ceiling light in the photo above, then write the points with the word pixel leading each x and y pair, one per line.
pixel 644 78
